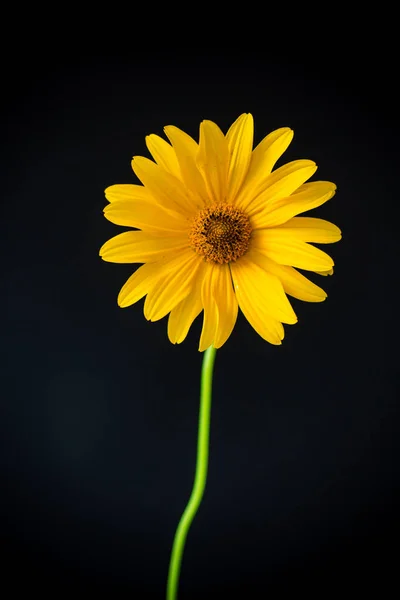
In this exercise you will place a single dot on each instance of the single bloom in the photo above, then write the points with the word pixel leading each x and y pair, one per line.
pixel 216 229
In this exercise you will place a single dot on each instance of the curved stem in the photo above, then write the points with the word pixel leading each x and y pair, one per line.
pixel 200 476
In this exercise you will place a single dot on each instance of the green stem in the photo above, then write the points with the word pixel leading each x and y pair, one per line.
pixel 200 476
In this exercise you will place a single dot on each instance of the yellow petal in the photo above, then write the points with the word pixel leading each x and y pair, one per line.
pixel 140 247
pixel 139 284
pixel 252 303
pixel 280 184
pixel 240 144
pixel 173 288
pixel 288 251
pixel 145 215
pixel 163 154
pixel 309 229
pixel 220 306
pixel 168 190
pixel 308 196
pixel 226 302
pixel 213 160
pixel 186 150
pixel 182 316
pixel 210 316
pixel 148 276
pixel 293 282
pixel 263 159
pixel 265 289
pixel 115 193
pixel 213 291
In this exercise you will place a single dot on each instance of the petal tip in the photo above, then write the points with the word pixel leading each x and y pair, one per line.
pixel 121 301
pixel 103 250
pixel 107 192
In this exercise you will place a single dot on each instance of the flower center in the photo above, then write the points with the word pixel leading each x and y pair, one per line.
pixel 220 233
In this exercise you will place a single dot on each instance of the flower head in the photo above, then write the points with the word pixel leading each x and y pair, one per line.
pixel 219 230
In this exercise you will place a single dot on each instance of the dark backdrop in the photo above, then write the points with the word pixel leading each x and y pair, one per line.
pixel 99 410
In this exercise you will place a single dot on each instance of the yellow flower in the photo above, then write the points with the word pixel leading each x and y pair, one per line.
pixel 219 231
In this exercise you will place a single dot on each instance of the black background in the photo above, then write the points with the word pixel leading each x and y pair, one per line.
pixel 99 410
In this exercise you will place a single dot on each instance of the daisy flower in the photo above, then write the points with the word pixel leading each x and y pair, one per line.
pixel 216 229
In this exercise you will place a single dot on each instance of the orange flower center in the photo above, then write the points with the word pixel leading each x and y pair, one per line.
pixel 220 233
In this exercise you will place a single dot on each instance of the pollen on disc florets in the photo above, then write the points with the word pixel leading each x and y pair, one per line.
pixel 220 233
